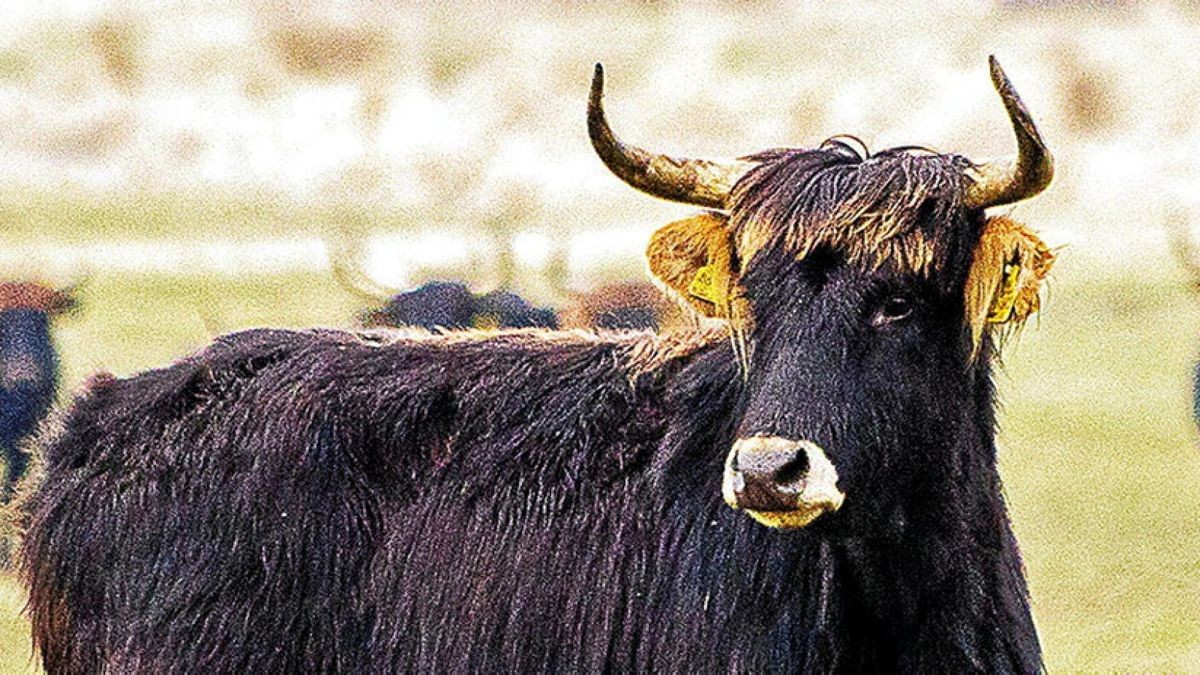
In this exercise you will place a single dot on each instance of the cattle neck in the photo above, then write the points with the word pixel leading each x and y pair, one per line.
pixel 26 351
pixel 931 580
pixel 22 326
pixel 943 582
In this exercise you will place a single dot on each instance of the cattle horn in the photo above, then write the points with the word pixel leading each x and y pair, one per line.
pixel 1007 180
pixel 341 251
pixel 693 181
pixel 75 286
pixel 68 295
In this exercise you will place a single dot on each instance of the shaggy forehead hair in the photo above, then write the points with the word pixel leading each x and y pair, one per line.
pixel 900 209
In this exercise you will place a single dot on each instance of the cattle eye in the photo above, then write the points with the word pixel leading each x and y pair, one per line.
pixel 894 308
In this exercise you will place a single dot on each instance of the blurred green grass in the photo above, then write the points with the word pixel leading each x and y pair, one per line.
pixel 1099 451
pixel 49 218
pixel 1102 470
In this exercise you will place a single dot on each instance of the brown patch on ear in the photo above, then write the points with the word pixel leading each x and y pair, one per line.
pixel 693 260
pixel 1007 271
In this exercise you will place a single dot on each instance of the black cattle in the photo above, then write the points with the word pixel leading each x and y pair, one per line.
pixel 812 487
pixel 445 305
pixel 451 305
pixel 28 367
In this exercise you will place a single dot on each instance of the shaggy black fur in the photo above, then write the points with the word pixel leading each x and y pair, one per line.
pixel 547 502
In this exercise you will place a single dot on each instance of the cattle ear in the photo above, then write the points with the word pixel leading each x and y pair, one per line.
pixel 1007 270
pixel 693 260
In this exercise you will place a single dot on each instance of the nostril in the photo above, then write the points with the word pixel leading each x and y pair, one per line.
pixel 792 470
pixel 780 482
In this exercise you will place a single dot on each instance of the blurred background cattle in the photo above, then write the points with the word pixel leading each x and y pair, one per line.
pixel 626 305
pixel 199 155
pixel 629 305
pixel 28 367
pixel 450 304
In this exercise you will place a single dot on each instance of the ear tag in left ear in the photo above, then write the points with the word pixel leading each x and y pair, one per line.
pixel 704 285
pixel 1002 305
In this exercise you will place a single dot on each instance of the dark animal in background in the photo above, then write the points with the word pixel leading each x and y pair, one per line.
pixel 630 305
pixel 436 304
pixel 1183 246
pixel 451 305
pixel 289 501
pixel 28 366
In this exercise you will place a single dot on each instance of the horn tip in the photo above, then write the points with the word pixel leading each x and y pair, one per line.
pixel 1008 181
pixel 999 78
pixel 597 125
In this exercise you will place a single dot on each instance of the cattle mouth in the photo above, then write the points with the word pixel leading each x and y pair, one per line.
pixel 780 482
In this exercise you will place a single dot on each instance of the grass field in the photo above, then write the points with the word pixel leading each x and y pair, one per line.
pixel 1100 453
pixel 1102 468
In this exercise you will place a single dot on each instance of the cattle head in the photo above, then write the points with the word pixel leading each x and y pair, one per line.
pixel 434 304
pixel 38 297
pixel 865 295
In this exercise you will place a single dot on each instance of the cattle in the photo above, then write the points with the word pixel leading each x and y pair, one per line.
pixel 629 305
pixel 436 304
pixel 806 483
pixel 451 305
pixel 625 305
pixel 1183 247
pixel 28 366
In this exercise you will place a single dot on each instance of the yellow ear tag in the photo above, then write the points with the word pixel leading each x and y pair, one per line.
pixel 1002 305
pixel 704 285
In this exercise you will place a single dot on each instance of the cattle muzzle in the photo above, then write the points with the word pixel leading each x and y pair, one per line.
pixel 781 482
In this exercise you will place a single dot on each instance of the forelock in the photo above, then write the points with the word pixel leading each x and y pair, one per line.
pixel 900 209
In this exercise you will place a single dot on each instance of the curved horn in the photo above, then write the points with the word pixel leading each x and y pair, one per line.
pixel 67 296
pixel 74 286
pixel 341 252
pixel 1011 179
pixel 693 181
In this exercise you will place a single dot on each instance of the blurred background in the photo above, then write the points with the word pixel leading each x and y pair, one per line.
pixel 195 165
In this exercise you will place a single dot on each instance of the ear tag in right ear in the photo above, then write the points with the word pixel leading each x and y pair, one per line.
pixel 704 285
pixel 1002 305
